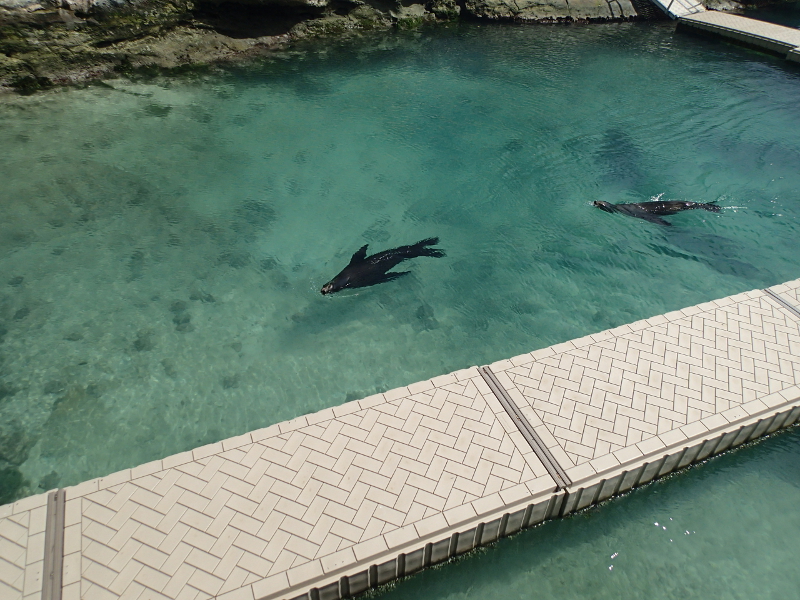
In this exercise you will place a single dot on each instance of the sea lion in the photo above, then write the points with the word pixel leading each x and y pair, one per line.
pixel 650 211
pixel 363 270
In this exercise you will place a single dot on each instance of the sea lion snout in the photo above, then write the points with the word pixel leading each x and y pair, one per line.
pixel 327 288
pixel 601 204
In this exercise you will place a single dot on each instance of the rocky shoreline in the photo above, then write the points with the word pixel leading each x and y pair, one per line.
pixel 45 43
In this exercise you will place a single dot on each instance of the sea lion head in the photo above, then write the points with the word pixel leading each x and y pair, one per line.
pixel 337 284
pixel 603 205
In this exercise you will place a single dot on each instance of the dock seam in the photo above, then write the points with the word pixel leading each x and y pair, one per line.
pixel 550 463
pixel 54 546
pixel 784 303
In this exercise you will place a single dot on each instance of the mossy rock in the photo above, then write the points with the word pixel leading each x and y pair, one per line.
pixel 30 84
pixel 328 25
pixel 11 42
pixel 445 10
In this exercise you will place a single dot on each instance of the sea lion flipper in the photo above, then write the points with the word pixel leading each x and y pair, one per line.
pixel 655 219
pixel 359 255
pixel 390 277
pixel 711 207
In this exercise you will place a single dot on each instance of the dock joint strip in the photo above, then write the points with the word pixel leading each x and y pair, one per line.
pixel 785 303
pixel 54 545
pixel 526 429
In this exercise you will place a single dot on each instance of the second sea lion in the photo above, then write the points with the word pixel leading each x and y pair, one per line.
pixel 653 211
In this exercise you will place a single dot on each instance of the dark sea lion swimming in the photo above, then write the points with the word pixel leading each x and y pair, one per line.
pixel 364 270
pixel 653 211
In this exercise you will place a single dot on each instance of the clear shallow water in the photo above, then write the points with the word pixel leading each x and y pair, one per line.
pixel 162 242
pixel 725 529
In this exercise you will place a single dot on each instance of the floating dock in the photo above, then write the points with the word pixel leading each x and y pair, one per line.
pixel 767 37
pixel 676 9
pixel 331 504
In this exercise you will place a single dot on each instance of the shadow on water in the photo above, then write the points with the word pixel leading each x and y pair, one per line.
pixel 718 252
pixel 622 161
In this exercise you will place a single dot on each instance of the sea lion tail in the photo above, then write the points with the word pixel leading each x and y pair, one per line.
pixel 421 249
pixel 711 207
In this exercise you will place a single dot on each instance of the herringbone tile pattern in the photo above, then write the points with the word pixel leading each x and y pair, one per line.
pixel 790 292
pixel 13 551
pixel 304 500
pixel 607 392
pixel 21 554
pixel 258 514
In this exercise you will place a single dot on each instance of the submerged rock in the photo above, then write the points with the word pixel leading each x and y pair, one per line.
pixel 6 391
pixel 230 382
pixel 169 368
pixel 14 443
pixel 144 341
pixel 202 297
pixel 54 387
pixel 136 265
pixel 186 327
pixel 425 319
pixel 178 306
pixel 49 481
pixel 11 482
pixel 181 318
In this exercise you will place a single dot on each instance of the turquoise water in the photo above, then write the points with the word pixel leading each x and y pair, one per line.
pixel 163 241
pixel 725 529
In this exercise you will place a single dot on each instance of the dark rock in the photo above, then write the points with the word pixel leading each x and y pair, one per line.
pixel 6 391
pixel 54 387
pixel 549 10
pixel 181 318
pixel 444 9
pixel 144 341
pixel 231 381
pixel 14 443
pixel 202 297
pixel 257 213
pixel 237 260
pixel 136 265
pixel 169 368
pixel 178 306
pixel 29 84
pixel 22 313
pixel 267 264
pixel 11 481
pixel 49 481
pixel 16 281
pixel 75 336
pixel 184 327
pixel 425 318
pixel 237 346
pixel 157 110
